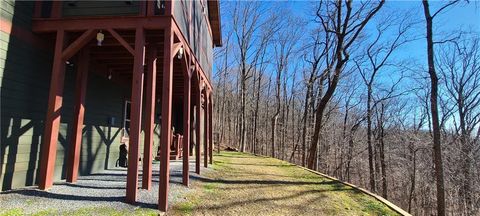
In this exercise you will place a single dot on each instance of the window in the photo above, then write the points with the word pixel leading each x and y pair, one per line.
pixel 126 119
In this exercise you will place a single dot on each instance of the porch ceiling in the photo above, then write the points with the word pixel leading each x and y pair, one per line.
pixel 112 58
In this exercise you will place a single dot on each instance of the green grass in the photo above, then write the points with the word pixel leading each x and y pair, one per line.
pixel 186 208
pixel 12 212
pixel 253 185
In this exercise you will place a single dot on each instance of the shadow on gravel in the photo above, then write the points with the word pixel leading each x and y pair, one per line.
pixel 90 186
pixel 45 194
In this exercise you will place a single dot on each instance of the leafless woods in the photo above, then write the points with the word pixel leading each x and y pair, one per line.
pixel 339 89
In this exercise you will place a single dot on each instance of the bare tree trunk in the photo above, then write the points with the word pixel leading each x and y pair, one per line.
pixel 437 147
pixel 369 139
pixel 382 153
pixel 255 115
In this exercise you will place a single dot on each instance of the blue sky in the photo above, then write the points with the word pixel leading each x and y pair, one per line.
pixel 462 16
pixel 465 17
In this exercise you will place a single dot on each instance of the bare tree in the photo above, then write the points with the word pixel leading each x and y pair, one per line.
pixel 437 147
pixel 247 20
pixel 284 48
pixel 377 56
pixel 344 28
pixel 459 66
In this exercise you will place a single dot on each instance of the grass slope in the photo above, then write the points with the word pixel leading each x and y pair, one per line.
pixel 243 184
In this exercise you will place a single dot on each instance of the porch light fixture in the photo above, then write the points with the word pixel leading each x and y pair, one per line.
pixel 180 53
pixel 100 37
pixel 109 74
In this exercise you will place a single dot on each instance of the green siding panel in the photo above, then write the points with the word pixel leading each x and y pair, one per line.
pixel 101 8
pixel 25 71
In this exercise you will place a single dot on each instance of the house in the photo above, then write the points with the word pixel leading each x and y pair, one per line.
pixel 80 78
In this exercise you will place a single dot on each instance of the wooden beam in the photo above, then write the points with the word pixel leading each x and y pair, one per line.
pixel 210 127
pixel 149 116
pixel 52 120
pixel 175 48
pixel 166 129
pixel 186 125
pixel 150 8
pixel 198 124
pixel 169 7
pixel 121 40
pixel 56 11
pixel 74 24
pixel 80 42
pixel 73 159
pixel 135 115
pixel 205 137
pixel 37 11
pixel 143 8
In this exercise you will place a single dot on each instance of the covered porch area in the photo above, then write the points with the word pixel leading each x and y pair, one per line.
pixel 150 56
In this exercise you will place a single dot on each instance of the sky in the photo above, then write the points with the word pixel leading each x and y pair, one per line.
pixel 463 16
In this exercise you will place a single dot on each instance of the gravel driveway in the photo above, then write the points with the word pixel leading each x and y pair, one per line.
pixel 105 189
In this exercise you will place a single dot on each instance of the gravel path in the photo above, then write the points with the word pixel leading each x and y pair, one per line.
pixel 105 189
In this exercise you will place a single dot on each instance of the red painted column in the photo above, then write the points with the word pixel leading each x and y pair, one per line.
pixel 56 11
pixel 166 130
pixel 149 116
pixel 79 111
pixel 37 11
pixel 205 137
pixel 210 127
pixel 52 121
pixel 186 126
pixel 198 117
pixel 135 116
pixel 151 8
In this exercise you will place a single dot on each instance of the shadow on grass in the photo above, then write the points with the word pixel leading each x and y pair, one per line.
pixel 222 205
pixel 268 182
pixel 259 164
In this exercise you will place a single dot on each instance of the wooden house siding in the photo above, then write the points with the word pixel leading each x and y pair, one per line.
pixel 200 38
pixel 100 8
pixel 25 71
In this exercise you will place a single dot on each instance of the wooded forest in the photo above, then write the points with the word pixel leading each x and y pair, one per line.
pixel 367 92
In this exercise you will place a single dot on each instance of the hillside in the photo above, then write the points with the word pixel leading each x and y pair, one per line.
pixel 244 184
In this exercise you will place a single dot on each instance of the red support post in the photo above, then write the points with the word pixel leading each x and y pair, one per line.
pixel 166 131
pixel 186 126
pixel 37 11
pixel 149 116
pixel 73 160
pixel 205 137
pixel 56 11
pixel 169 7
pixel 136 116
pixel 143 8
pixel 52 121
pixel 198 125
pixel 210 127
pixel 151 8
